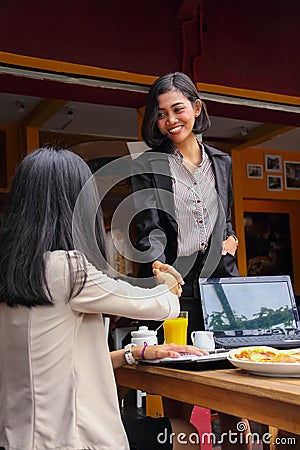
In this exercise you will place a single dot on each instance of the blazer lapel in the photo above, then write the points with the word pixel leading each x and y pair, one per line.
pixel 220 174
pixel 160 168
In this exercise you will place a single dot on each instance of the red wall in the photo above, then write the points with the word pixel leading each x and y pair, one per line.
pixel 249 44
pixel 252 44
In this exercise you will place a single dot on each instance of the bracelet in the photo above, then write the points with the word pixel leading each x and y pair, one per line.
pixel 143 350
pixel 129 356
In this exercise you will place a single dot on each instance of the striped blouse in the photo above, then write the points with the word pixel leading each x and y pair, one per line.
pixel 196 204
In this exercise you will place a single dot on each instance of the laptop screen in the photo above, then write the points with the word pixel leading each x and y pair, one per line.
pixel 248 305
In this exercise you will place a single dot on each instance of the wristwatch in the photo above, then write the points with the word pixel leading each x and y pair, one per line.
pixel 129 356
pixel 235 238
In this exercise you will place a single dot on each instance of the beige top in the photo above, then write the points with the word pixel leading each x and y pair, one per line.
pixel 57 387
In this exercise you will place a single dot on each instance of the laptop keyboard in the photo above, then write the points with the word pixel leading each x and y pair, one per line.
pixel 277 341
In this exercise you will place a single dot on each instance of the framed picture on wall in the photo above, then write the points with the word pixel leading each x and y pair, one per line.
pixel 274 183
pixel 254 171
pixel 273 163
pixel 292 174
pixel 268 243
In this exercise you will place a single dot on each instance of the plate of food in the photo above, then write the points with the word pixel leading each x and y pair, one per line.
pixel 267 361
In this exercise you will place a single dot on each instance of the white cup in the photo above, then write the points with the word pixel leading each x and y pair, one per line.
pixel 142 335
pixel 203 339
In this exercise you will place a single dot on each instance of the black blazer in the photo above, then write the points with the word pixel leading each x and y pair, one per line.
pixel 154 203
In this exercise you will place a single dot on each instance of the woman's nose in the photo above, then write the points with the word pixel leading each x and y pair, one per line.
pixel 172 119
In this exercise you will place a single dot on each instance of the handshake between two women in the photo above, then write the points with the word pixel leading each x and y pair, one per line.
pixel 168 275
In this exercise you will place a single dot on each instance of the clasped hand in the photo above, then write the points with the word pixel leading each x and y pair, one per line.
pixel 229 246
pixel 166 274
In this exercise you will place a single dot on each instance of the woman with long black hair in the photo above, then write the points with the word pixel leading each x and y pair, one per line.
pixel 57 387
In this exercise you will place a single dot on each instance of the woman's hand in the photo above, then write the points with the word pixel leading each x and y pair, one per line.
pixel 165 351
pixel 166 268
pixel 229 246
pixel 166 274
pixel 169 280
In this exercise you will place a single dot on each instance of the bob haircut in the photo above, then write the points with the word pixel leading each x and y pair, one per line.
pixel 39 219
pixel 182 83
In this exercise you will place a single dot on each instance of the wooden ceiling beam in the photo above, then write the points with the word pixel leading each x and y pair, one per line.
pixel 254 137
pixel 42 112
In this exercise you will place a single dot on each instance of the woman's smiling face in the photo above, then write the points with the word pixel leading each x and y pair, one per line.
pixel 176 115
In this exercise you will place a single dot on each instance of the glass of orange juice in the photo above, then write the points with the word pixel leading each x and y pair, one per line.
pixel 175 330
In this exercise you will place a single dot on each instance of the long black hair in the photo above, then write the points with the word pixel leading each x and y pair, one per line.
pixel 182 83
pixel 39 218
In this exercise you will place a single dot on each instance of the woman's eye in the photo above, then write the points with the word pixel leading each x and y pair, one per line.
pixel 161 115
pixel 179 109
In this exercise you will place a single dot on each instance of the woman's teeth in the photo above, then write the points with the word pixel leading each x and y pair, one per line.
pixel 174 130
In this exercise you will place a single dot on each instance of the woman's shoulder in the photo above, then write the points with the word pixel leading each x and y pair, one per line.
pixel 152 153
pixel 212 151
pixel 57 260
pixel 146 160
pixel 61 255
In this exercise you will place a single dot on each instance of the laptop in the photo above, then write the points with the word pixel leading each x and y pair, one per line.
pixel 251 311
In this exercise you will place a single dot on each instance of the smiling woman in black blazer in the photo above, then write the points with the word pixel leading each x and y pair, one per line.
pixel 183 198
pixel 183 192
